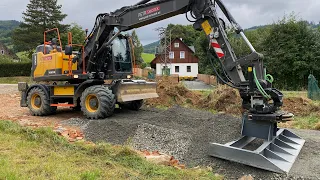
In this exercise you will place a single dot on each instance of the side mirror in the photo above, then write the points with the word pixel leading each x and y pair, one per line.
pixel 68 50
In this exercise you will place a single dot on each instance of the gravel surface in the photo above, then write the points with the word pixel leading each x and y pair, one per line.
pixel 152 138
pixel 186 133
pixel 197 85
pixel 8 88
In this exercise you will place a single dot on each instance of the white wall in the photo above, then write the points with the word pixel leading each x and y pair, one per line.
pixel 182 69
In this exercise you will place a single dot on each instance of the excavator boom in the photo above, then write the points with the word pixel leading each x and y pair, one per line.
pixel 262 102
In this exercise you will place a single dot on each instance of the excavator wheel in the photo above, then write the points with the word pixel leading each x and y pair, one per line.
pixel 39 103
pixel 98 102
pixel 133 105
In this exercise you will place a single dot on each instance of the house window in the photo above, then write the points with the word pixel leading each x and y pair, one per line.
pixel 188 68
pixel 171 55
pixel 2 52
pixel 176 69
pixel 182 55
pixel 176 45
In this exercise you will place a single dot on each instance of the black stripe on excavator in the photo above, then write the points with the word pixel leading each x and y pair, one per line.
pixel 51 72
pixel 34 64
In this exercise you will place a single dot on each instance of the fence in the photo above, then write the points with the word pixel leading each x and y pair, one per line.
pixel 141 72
pixel 208 79
pixel 147 73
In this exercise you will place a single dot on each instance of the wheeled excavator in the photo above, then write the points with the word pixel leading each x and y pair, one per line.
pixel 106 55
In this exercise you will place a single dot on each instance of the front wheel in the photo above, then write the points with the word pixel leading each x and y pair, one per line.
pixel 39 103
pixel 98 102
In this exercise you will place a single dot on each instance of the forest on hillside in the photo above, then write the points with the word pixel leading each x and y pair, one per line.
pixel 6 28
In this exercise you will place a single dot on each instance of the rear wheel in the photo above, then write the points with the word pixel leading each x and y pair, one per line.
pixel 39 103
pixel 98 102
pixel 133 105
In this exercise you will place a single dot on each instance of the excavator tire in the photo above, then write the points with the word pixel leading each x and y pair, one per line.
pixel 39 103
pixel 133 105
pixel 98 102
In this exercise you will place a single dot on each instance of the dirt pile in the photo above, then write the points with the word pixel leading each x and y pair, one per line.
pixel 222 99
pixel 172 93
pixel 300 106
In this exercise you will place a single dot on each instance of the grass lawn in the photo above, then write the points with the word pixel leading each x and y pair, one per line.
pixel 288 94
pixel 15 80
pixel 148 58
pixel 308 122
pixel 42 154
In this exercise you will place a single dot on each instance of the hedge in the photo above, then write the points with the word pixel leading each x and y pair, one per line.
pixel 15 69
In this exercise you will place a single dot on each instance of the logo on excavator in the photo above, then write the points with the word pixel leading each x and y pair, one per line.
pixel 47 58
pixel 149 13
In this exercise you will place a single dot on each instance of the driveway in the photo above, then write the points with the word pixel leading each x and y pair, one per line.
pixel 197 85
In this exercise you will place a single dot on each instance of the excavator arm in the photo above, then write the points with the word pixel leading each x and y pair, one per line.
pixel 261 101
pixel 205 18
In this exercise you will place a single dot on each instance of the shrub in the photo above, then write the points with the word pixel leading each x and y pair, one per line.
pixel 8 68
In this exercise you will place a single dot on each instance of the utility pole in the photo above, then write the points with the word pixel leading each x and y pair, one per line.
pixel 164 50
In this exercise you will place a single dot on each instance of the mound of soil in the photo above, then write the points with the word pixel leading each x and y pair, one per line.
pixel 171 93
pixel 222 99
pixel 300 106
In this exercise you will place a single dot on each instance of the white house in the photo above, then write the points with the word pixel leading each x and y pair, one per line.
pixel 183 60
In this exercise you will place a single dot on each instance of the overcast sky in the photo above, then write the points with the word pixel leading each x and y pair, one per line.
pixel 247 12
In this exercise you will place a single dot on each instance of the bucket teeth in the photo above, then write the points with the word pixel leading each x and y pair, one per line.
pixel 277 155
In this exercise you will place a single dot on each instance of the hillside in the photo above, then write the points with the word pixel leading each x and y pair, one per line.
pixel 150 48
pixel 147 58
pixel 6 28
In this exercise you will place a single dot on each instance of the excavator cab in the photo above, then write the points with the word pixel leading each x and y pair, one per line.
pixel 49 62
pixel 121 54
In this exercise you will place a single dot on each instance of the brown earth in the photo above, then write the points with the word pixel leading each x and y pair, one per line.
pixel 300 106
pixel 10 110
pixel 198 124
pixel 222 99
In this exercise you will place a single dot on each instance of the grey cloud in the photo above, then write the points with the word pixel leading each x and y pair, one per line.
pixel 247 12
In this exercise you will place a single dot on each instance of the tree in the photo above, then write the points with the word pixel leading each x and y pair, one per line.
pixel 78 34
pixel 39 16
pixel 292 53
pixel 185 32
pixel 138 48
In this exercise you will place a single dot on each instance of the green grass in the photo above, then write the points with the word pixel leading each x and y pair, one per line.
pixel 308 122
pixel 311 121
pixel 41 154
pixel 148 58
pixel 15 80
pixel 288 94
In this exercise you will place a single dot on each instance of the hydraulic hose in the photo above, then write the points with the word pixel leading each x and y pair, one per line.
pixel 219 76
pixel 260 88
